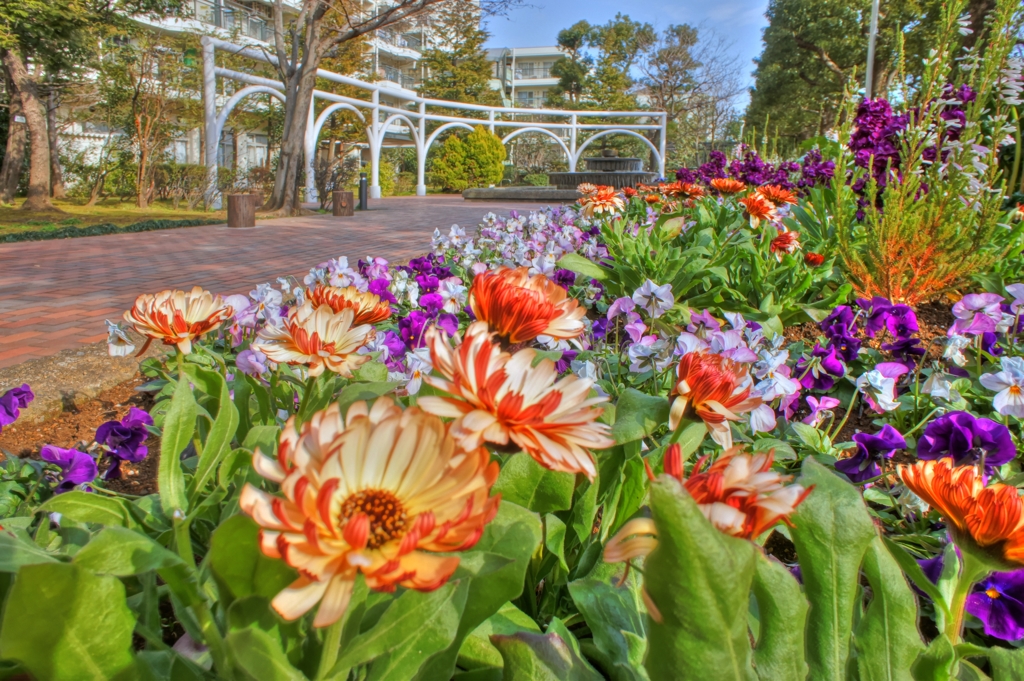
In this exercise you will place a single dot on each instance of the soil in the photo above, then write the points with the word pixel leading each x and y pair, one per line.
pixel 779 546
pixel 75 427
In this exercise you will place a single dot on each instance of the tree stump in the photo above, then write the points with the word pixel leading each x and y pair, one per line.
pixel 242 210
pixel 344 203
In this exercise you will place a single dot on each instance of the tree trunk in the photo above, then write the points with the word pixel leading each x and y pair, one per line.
pixel 285 197
pixel 141 190
pixel 56 174
pixel 35 117
pixel 14 157
pixel 97 189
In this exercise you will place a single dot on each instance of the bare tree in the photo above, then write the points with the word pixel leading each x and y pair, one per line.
pixel 14 158
pixel 319 30
pixel 57 190
pixel 24 86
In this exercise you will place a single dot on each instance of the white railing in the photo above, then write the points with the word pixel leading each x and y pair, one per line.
pixel 564 127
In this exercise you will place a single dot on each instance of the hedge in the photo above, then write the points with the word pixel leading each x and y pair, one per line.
pixel 105 228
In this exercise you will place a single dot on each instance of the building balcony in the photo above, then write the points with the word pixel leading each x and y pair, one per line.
pixel 232 18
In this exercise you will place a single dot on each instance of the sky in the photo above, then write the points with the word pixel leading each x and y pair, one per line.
pixel 740 21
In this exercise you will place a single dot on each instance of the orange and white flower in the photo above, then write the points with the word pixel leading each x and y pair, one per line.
pixel 739 494
pixel 987 518
pixel 785 242
pixel 602 200
pixel 177 317
pixel 586 188
pixel 726 185
pixel 382 491
pixel 758 208
pixel 505 400
pixel 715 389
pixel 776 194
pixel 317 337
pixel 368 307
pixel 519 307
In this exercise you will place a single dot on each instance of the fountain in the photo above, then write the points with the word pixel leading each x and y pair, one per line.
pixel 607 169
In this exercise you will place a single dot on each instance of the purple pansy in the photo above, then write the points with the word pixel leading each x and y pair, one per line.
pixel 448 323
pixel 411 328
pixel 564 278
pixel 12 402
pixel 877 310
pixel 870 450
pixel 428 283
pixel 251 362
pixel 976 313
pixel 76 468
pixel 432 303
pixel 967 439
pixel 702 324
pixel 998 601
pixel 906 351
pixel 379 287
pixel 824 365
pixel 124 440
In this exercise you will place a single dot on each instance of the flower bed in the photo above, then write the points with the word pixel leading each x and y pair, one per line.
pixel 542 446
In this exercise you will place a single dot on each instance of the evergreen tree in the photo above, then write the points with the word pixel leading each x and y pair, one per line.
pixel 573 69
pixel 457 66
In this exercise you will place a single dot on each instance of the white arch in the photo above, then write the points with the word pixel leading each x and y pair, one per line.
pixel 225 111
pixel 512 135
pixel 657 154
pixel 326 113
pixel 394 117
pixel 446 126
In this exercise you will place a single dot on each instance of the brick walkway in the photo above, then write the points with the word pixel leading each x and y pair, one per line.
pixel 55 294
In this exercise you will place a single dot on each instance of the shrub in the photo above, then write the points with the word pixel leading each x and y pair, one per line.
pixel 536 179
pixel 474 161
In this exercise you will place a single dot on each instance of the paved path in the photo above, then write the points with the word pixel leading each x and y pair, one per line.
pixel 55 294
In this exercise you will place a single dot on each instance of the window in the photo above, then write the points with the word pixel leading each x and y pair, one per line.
pixel 256 151
pixel 525 98
pixel 179 150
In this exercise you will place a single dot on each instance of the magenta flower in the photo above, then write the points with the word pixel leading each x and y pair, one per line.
pixel 817 406
pixel 622 305
pixel 76 468
pixel 976 313
pixel 967 439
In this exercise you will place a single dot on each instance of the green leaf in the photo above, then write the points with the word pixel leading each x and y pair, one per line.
pixel 1007 664
pixel 121 552
pixel 832 531
pixel 783 452
pixel 554 538
pixel 63 622
pixel 371 372
pixel 86 507
pixel 263 438
pixel 637 415
pixel 937 662
pixel 513 535
pixel 887 641
pixel 912 569
pixel 362 392
pixel 525 482
pixel 691 438
pixel 581 265
pixel 258 656
pixel 218 442
pixel 15 552
pixel 415 625
pixel 239 566
pixel 179 425
pixel 700 580
pixel 612 613
pixel 477 651
pixel 779 653
pixel 541 657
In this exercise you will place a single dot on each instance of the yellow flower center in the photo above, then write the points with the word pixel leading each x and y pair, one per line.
pixel 385 511
pixel 992 593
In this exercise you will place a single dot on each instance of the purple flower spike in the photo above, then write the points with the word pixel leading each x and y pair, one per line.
pixel 123 440
pixel 870 450
pixel 998 601
pixel 77 468
pixel 967 439
pixel 12 402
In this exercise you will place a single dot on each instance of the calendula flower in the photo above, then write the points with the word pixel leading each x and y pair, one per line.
pixel 604 200
pixel 739 494
pixel 317 337
pixel 989 520
pixel 382 491
pixel 176 317
pixel 586 188
pixel 776 195
pixel 757 208
pixel 715 389
pixel 513 400
pixel 786 242
pixel 727 185
pixel 368 308
pixel 814 259
pixel 519 307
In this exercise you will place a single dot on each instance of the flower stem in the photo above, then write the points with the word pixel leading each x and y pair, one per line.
pixel 849 409
pixel 971 572
pixel 332 644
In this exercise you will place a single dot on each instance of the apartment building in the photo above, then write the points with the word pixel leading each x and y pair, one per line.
pixel 523 74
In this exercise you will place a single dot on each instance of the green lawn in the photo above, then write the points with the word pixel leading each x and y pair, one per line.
pixel 72 213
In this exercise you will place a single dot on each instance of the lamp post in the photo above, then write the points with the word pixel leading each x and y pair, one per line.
pixel 872 35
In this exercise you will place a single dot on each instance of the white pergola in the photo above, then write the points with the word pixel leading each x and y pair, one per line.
pixel 416 113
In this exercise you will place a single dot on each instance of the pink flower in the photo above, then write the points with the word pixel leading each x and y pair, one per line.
pixel 977 313
pixel 818 406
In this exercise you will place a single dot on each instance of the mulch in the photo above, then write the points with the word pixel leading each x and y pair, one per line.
pixel 75 428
